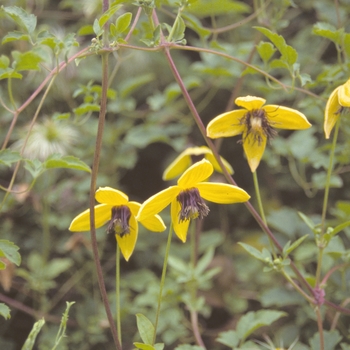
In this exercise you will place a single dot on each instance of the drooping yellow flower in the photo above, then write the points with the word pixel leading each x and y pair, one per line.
pixel 121 214
pixel 257 123
pixel 185 159
pixel 338 102
pixel 187 197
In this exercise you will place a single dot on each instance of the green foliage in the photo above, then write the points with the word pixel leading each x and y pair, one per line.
pixel 52 93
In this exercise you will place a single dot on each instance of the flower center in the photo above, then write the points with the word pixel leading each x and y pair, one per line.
pixel 119 223
pixel 192 205
pixel 258 125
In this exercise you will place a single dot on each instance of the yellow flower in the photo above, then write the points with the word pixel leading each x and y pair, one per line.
pixel 256 122
pixel 121 214
pixel 187 197
pixel 185 160
pixel 338 101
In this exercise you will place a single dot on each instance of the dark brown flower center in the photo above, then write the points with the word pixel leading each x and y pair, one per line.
pixel 119 223
pixel 192 205
pixel 258 125
pixel 343 110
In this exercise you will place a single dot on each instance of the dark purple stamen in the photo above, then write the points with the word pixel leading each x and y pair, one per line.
pixel 119 223
pixel 192 205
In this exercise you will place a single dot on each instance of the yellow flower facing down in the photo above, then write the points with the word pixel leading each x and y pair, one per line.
pixel 187 198
pixel 121 214
pixel 338 103
pixel 257 123
pixel 185 160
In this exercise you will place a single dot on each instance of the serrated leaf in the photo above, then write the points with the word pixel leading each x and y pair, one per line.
pixel 145 328
pixel 68 162
pixel 25 20
pixel 265 50
pixel 13 36
pixel 252 321
pixel 10 251
pixel 123 22
pixel 331 339
pixel 10 73
pixel 7 157
pixel 328 31
pixel 5 311
pixel 289 55
pixel 29 343
pixel 26 61
pixel 35 167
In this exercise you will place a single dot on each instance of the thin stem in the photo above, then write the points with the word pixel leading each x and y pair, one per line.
pixel 329 174
pixel 320 326
pixel 258 197
pixel 96 162
pixel 117 292
pixel 297 288
pixel 162 281
pixel 228 177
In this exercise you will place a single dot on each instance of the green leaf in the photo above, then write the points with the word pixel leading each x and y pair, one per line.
pixel 288 248
pixel 189 347
pixel 339 228
pixel 26 61
pixel 252 321
pixel 10 251
pixel 13 36
pixel 144 346
pixel 107 15
pixel 264 256
pixel 178 29
pixel 331 339
pixel 130 85
pixel 25 20
pixel 86 108
pixel 35 167
pixel 229 338
pixel 205 8
pixel 145 328
pixel 5 311
pixel 123 22
pixel 7 157
pixel 195 24
pixel 328 31
pixel 97 28
pixel 69 162
pixel 289 54
pixel 265 50
pixel 29 343
pixel 307 221
pixel 204 261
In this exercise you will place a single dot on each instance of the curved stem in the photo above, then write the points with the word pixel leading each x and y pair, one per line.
pixel 96 162
pixel 162 281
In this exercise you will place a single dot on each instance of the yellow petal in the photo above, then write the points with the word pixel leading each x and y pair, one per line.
pixel 227 124
pixel 134 207
pixel 253 149
pixel 177 167
pixel 196 173
pixel 180 229
pixel 111 196
pixel 286 118
pixel 128 241
pixel 81 222
pixel 154 223
pixel 331 114
pixel 222 193
pixel 344 94
pixel 212 160
pixel 157 203
pixel 250 102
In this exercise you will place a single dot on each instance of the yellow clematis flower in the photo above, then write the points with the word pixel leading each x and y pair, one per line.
pixel 256 122
pixel 338 102
pixel 187 197
pixel 121 214
pixel 185 160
